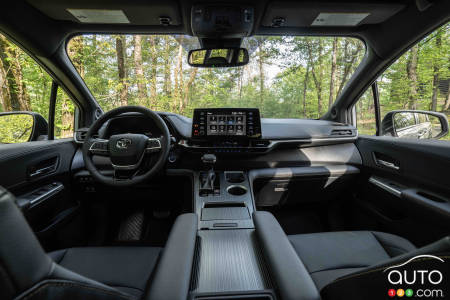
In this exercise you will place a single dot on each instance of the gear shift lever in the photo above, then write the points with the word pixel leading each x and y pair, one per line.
pixel 207 179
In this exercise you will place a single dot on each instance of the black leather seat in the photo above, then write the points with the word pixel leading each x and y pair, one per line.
pixel 27 272
pixel 330 255
pixel 127 269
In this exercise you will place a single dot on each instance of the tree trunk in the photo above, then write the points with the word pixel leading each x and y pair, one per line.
pixel 305 87
pixel 167 86
pixel 178 78
pixel 4 92
pixel 411 70
pixel 348 66
pixel 24 99
pixel 120 52
pixel 139 70
pixel 436 71
pixel 333 72
pixel 446 106
pixel 187 88
pixel 261 72
pixel 154 60
pixel 12 103
pixel 317 77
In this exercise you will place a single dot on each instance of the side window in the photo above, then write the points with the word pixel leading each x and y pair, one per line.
pixel 414 93
pixel 417 81
pixel 25 99
pixel 365 113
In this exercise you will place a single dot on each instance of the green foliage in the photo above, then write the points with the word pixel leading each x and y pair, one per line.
pixel 15 128
pixel 396 85
pixel 274 80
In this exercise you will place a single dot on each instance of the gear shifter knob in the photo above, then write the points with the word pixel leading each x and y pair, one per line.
pixel 209 159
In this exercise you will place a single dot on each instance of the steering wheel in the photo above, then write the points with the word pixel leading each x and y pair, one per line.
pixel 127 151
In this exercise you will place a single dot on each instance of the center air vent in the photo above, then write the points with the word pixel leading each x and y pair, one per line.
pixel 342 132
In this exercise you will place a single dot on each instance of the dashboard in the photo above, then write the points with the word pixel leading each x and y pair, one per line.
pixel 232 131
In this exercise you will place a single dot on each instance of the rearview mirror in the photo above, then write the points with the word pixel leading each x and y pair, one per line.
pixel 414 124
pixel 218 57
pixel 20 127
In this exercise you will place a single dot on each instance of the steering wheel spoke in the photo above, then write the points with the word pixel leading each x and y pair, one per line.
pixel 153 145
pixel 99 147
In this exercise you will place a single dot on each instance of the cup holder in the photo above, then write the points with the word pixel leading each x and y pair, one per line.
pixel 237 190
pixel 234 177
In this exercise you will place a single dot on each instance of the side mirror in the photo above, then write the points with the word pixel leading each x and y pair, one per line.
pixel 19 127
pixel 416 124
pixel 218 57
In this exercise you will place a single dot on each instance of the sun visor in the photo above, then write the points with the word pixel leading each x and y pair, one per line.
pixel 133 12
pixel 305 14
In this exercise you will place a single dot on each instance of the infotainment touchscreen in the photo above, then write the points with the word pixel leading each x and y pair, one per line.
pixel 226 122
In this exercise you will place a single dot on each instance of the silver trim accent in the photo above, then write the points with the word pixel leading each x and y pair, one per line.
pixel 237 186
pixel 273 143
pixel 98 141
pixel 46 195
pixel 75 138
pixel 129 167
pixel 153 149
pixel 387 164
pixel 385 186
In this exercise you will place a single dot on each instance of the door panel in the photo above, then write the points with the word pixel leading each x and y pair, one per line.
pixel 405 188
pixel 38 174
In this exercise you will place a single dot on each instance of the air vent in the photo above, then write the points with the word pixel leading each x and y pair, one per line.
pixel 260 143
pixel 80 135
pixel 342 132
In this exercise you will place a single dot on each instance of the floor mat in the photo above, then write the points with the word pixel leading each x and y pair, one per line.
pixel 131 228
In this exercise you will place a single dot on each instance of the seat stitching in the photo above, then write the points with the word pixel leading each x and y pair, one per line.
pixel 62 284
pixel 63 256
pixel 340 268
pixel 384 245
pixel 381 244
pixel 298 255
pixel 124 286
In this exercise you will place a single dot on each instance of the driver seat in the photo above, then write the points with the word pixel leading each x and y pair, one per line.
pixel 27 272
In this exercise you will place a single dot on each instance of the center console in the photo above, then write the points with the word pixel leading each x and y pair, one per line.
pixel 229 263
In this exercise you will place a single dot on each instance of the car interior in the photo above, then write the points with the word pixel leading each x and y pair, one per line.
pixel 226 204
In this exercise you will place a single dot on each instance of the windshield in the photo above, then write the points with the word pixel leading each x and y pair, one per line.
pixel 287 77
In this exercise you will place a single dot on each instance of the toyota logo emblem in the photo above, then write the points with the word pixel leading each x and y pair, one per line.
pixel 123 143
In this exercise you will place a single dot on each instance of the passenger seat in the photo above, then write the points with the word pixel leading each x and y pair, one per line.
pixel 336 265
pixel 330 255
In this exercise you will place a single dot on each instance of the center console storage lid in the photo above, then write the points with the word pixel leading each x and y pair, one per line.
pixel 173 274
pixel 290 275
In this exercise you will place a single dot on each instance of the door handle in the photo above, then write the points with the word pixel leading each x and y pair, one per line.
pixel 387 164
pixel 44 167
pixel 385 161
pixel 43 171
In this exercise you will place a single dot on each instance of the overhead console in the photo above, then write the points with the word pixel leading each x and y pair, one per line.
pixel 214 21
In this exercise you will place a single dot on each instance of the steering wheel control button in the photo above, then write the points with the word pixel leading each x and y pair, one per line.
pixel 99 147
pixel 153 145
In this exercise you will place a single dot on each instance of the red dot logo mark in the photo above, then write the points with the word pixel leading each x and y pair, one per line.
pixel 392 293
